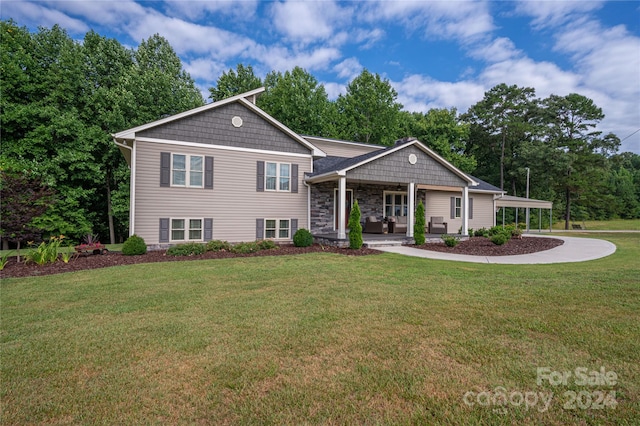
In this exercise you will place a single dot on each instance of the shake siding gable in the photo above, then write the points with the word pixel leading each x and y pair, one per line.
pixel 214 127
pixel 233 204
pixel 395 168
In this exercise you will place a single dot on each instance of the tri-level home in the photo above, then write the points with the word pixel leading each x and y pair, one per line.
pixel 230 171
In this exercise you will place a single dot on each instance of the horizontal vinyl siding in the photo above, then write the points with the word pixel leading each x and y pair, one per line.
pixel 483 212
pixel 439 204
pixel 233 204
pixel 338 149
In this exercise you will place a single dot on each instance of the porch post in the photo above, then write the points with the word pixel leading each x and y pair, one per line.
pixel 465 210
pixel 342 202
pixel 411 189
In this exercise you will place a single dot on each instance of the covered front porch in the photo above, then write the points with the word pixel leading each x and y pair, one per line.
pixel 387 184
pixel 373 240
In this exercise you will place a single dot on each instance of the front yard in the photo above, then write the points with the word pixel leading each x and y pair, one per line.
pixel 325 338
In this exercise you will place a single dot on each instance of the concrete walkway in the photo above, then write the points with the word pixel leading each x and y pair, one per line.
pixel 573 250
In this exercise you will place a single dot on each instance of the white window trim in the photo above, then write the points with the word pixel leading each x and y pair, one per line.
pixel 186 229
pixel 278 167
pixel 277 229
pixel 187 178
pixel 457 211
pixel 384 200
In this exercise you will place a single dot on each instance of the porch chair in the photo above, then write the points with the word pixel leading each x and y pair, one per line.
pixel 401 225
pixel 373 226
pixel 437 225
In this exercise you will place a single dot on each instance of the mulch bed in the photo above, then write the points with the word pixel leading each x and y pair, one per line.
pixel 114 259
pixel 479 246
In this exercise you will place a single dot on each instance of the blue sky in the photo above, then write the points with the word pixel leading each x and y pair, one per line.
pixel 436 54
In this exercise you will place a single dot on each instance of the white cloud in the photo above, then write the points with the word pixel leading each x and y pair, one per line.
pixel 348 69
pixel 462 20
pixel 244 10
pixel 31 12
pixel 497 50
pixel 555 13
pixel 368 38
pixel 280 58
pixel 334 89
pixel 420 93
pixel 545 77
pixel 205 69
pixel 308 21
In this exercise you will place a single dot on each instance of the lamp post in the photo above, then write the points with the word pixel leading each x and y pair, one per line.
pixel 527 214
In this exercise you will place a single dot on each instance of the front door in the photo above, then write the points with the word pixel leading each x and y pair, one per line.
pixel 348 205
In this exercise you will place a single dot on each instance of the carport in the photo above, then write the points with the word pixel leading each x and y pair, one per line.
pixel 506 201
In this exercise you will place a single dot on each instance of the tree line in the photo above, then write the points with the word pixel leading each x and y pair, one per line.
pixel 62 99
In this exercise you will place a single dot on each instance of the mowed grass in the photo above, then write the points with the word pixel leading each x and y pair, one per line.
pixel 320 339
pixel 605 225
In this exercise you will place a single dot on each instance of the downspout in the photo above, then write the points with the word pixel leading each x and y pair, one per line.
pixel 132 184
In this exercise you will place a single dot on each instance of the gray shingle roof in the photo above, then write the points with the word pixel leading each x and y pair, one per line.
pixel 483 186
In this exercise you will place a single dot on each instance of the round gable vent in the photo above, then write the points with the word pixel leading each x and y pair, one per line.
pixel 236 121
pixel 413 159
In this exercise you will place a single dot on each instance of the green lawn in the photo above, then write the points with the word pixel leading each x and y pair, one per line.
pixel 605 225
pixel 321 338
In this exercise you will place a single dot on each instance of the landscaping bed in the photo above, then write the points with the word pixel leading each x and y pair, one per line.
pixel 12 269
pixel 480 246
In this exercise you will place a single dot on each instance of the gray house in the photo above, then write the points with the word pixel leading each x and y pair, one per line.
pixel 230 171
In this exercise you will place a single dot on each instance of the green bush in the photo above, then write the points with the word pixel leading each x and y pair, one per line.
pixel 355 228
pixel 302 238
pixel 482 232
pixel 133 246
pixel 499 239
pixel 244 248
pixel 418 231
pixel 218 245
pixel 187 249
pixel 450 240
pixel 267 245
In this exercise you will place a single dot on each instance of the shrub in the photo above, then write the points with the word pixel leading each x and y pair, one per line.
pixel 450 240
pixel 482 232
pixel 302 238
pixel 418 231
pixel 134 245
pixel 244 248
pixel 516 232
pixel 499 239
pixel 267 245
pixel 218 245
pixel 187 249
pixel 355 228
pixel 4 260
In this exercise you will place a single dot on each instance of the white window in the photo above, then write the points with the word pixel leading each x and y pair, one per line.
pixel 278 177
pixel 276 228
pixel 187 170
pixel 179 229
pixel 458 207
pixel 395 203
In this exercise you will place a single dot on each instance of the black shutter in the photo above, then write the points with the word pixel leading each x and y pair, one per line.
pixel 260 177
pixel 208 229
pixel 165 169
pixel 470 208
pixel 453 207
pixel 294 227
pixel 164 230
pixel 208 172
pixel 294 178
pixel 259 229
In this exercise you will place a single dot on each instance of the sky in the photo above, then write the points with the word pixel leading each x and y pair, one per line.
pixel 436 54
